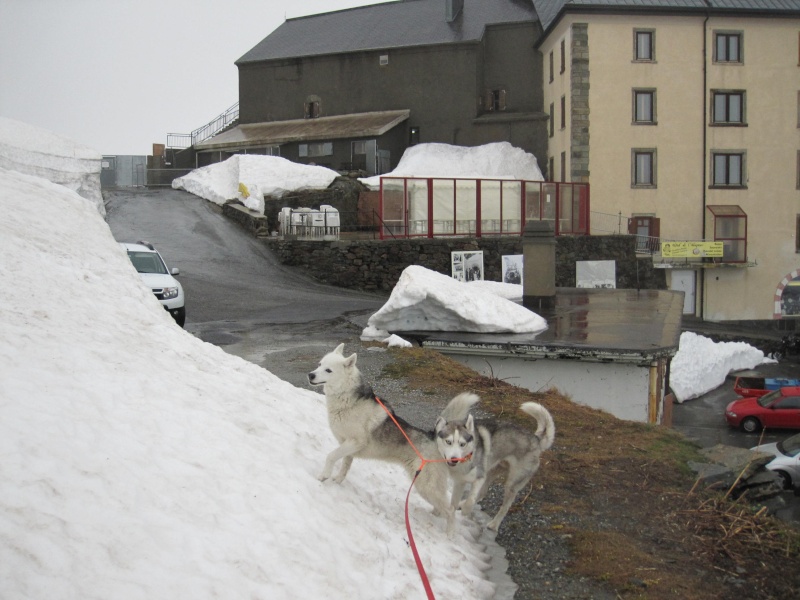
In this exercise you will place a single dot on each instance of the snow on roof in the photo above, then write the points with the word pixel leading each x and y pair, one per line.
pixel 498 160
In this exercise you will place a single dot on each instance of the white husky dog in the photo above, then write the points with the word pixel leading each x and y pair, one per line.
pixel 491 449
pixel 365 430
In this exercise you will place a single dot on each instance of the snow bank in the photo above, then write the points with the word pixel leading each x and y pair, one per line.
pixel 498 160
pixel 35 151
pixel 269 175
pixel 701 365
pixel 141 462
pixel 424 300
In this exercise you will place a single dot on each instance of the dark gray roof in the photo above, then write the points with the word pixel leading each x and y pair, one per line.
pixel 249 135
pixel 384 26
pixel 549 10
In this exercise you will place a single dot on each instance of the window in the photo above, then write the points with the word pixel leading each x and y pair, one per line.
pixel 495 100
pixel 728 47
pixel 643 168
pixel 563 166
pixel 563 112
pixel 728 169
pixel 316 149
pixel 383 60
pixel 413 136
pixel 727 108
pixel 797 183
pixel 797 234
pixel 644 45
pixel 563 56
pixel 644 107
pixel 551 67
pixel 552 119
pixel 311 108
pixel 551 167
pixel 730 228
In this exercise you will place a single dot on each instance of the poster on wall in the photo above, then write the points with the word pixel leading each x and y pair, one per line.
pixel 467 266
pixel 512 268
pixel 596 274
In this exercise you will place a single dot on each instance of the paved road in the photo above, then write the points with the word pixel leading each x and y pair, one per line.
pixel 237 294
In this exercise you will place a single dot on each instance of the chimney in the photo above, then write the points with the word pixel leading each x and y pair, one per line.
pixel 538 265
pixel 452 9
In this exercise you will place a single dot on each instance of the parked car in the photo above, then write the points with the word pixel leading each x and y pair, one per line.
pixel 787 460
pixel 158 277
pixel 750 383
pixel 778 409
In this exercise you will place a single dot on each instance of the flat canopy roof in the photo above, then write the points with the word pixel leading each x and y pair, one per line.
pixel 273 133
pixel 606 325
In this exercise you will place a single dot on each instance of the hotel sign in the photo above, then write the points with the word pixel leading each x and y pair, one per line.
pixel 691 249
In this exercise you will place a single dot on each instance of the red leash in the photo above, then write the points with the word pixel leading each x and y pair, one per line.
pixel 422 574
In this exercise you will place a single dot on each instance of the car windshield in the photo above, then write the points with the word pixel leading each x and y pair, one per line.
pixel 147 262
pixel 768 399
pixel 790 446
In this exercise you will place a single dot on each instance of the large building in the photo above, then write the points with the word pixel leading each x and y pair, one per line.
pixel 682 115
pixel 354 88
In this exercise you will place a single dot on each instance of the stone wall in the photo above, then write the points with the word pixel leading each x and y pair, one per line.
pixel 375 265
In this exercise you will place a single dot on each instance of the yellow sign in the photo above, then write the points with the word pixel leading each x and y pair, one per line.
pixel 244 191
pixel 691 249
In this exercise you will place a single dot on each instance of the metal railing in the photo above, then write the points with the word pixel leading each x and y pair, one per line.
pixel 606 223
pixel 213 127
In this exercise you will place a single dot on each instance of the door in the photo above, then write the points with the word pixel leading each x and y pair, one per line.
pixel 684 281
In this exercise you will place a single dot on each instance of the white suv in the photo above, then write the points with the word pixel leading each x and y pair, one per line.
pixel 158 277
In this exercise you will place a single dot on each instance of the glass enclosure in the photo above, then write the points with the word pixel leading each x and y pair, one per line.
pixel 433 207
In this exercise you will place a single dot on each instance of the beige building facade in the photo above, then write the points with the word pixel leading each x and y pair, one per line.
pixel 686 127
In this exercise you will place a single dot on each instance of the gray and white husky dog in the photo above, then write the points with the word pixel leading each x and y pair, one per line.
pixel 492 449
pixel 365 430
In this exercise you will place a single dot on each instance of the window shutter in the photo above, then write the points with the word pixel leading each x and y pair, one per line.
pixel 632 226
pixel 488 104
pixel 501 101
pixel 655 227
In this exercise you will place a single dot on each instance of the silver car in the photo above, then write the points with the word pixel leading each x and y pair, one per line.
pixel 787 460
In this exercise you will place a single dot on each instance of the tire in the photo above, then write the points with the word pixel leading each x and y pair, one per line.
pixel 787 480
pixel 180 315
pixel 751 425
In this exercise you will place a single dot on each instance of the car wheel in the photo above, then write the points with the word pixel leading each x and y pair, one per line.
pixel 787 479
pixel 180 316
pixel 751 425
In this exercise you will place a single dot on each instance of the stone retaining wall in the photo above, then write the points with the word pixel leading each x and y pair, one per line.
pixel 376 265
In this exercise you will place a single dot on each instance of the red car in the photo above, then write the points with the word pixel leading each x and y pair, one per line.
pixel 779 409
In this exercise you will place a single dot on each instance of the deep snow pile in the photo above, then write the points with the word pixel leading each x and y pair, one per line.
pixel 498 160
pixel 28 149
pixel 270 175
pixel 141 462
pixel 701 365
pixel 424 300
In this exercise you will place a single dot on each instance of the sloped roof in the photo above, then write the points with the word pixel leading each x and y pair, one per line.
pixel 549 10
pixel 372 124
pixel 401 24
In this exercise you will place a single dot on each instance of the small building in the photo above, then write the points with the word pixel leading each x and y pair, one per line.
pixel 605 348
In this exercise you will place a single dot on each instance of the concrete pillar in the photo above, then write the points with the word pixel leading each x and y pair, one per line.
pixel 539 265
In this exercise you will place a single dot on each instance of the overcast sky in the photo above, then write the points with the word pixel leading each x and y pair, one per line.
pixel 118 75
